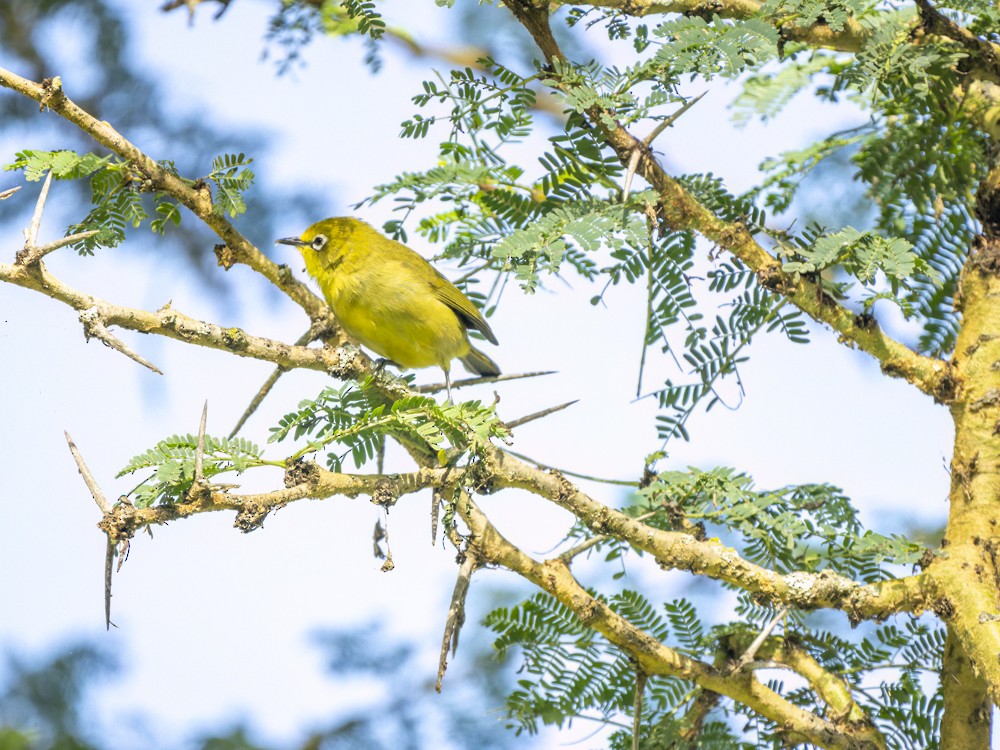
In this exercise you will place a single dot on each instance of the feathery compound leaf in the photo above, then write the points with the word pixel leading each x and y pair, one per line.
pixel 173 459
pixel 344 416
pixel 232 177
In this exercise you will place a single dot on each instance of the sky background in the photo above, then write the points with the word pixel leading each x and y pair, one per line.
pixel 215 626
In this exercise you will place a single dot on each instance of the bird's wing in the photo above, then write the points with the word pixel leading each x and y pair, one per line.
pixel 467 312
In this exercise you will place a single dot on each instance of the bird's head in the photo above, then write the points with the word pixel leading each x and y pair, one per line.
pixel 325 235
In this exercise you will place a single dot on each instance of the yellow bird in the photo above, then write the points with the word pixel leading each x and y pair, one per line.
pixel 392 300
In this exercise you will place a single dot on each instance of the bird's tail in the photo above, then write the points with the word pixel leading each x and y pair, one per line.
pixel 477 362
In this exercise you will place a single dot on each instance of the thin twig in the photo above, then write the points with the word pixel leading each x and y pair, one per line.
pixel 579 549
pixel 648 140
pixel 456 612
pixel 265 389
pixel 435 387
pixel 633 164
pixel 199 452
pixel 4 195
pixel 88 478
pixel 93 326
pixel 31 236
pixel 567 472
pixel 32 254
pixel 640 689
pixel 539 414
pixel 109 556
pixel 105 506
pixel 759 640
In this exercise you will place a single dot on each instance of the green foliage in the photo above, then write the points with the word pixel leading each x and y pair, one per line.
pixel 296 22
pixel 118 188
pixel 115 192
pixel 584 227
pixel 568 671
pixel 712 48
pixel 803 13
pixel 809 528
pixel 344 416
pixel 765 93
pixel 863 255
pixel 173 462
pixel 369 21
pixel 918 157
pixel 232 176
pixel 64 165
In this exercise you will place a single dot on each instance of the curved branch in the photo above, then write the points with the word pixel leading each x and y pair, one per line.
pixel 197 198
pixel 654 657
pixel 681 211
pixel 849 39
pixel 346 362
pixel 680 551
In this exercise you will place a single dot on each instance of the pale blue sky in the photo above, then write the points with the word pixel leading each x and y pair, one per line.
pixel 193 602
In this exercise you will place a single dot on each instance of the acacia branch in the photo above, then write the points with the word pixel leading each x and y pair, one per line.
pixel 785 652
pixel 654 657
pixel 682 551
pixel 345 362
pixel 196 196
pixel 679 210
pixel 304 481
pixel 984 52
pixel 851 38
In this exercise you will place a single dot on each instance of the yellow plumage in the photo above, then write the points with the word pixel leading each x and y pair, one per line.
pixel 392 300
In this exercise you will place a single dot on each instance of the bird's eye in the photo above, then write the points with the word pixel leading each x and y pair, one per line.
pixel 319 242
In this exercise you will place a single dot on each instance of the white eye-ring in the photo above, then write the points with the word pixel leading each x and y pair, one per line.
pixel 319 242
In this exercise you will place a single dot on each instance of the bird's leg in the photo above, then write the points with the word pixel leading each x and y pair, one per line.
pixel 447 383
pixel 381 362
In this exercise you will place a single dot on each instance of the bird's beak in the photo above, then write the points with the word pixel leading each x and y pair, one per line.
pixel 295 241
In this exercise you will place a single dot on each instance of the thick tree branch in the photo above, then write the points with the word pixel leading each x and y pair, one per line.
pixel 681 551
pixel 967 717
pixel 195 196
pixel 681 211
pixel 655 658
pixel 985 53
pixel 345 362
pixel 303 482
pixel 785 652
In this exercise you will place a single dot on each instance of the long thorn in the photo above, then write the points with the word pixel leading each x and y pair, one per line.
pixel 109 556
pixel 672 119
pixel 88 478
pixel 93 326
pixel 633 164
pixel 4 195
pixel 199 453
pixel 751 651
pixel 105 506
pixel 435 387
pixel 36 219
pixel 567 472
pixel 265 389
pixel 539 414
